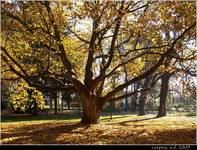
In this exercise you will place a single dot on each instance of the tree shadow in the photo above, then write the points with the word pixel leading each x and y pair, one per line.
pixel 43 133
pixel 114 117
pixel 124 123
pixel 29 117
pixel 77 133
pixel 139 120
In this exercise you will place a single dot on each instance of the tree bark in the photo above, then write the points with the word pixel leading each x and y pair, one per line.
pixel 91 111
pixel 163 94
pixel 143 97
pixel 133 103
pixel 126 104
pixel 134 97
pixel 126 107
pixel 112 108
pixel 142 102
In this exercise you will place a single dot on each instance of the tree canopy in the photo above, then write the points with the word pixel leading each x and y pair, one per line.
pixel 81 46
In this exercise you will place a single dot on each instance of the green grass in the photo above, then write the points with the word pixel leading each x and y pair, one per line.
pixel 59 117
pixel 26 118
pixel 191 114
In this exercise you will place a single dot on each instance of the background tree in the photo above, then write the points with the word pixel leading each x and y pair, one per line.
pixel 25 99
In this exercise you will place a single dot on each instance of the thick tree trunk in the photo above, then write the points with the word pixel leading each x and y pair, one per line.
pixel 91 111
pixel 163 94
pixel 91 104
pixel 90 116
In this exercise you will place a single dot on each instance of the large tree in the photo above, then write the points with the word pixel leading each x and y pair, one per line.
pixel 80 46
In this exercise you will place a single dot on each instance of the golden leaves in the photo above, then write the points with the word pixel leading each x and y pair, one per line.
pixel 20 98
pixel 134 67
pixel 76 53
pixel 130 129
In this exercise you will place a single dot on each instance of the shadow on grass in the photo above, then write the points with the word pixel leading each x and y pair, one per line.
pixel 124 123
pixel 18 118
pixel 39 133
pixel 48 133
pixel 107 117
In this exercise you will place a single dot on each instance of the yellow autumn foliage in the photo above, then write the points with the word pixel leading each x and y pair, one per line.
pixel 20 98
pixel 135 67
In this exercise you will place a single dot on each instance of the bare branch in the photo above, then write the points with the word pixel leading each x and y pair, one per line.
pixel 131 59
pixel 80 38
pixel 65 60
pixel 14 61
pixel 127 95
pixel 11 67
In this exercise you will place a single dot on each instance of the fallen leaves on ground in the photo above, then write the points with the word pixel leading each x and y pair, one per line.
pixel 121 130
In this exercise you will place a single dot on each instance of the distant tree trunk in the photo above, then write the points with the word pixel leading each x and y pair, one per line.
pixel 55 102
pixel 35 108
pixel 143 97
pixel 126 99
pixel 126 104
pixel 58 101
pixel 133 103
pixel 134 97
pixel 126 107
pixel 51 102
pixel 163 94
pixel 62 103
pixel 142 101
pixel 68 105
pixel 112 109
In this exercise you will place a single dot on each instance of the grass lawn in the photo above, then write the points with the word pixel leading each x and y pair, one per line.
pixel 122 129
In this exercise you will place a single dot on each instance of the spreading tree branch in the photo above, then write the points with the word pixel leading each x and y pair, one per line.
pixel 153 68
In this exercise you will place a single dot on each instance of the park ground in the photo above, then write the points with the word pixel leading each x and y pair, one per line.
pixel 178 128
